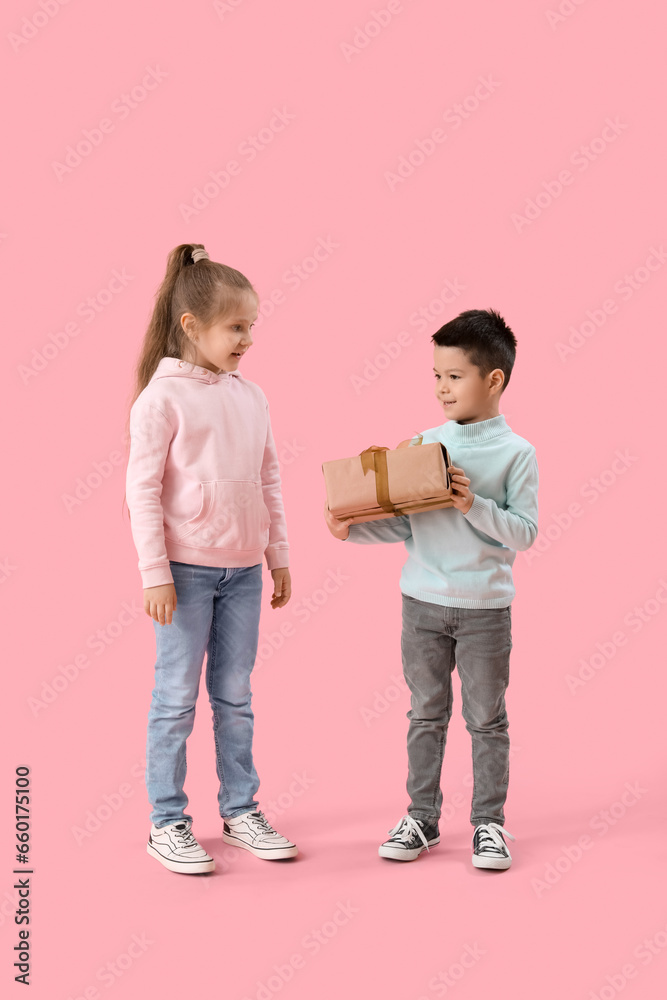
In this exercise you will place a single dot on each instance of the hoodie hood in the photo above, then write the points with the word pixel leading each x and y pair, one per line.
pixel 185 369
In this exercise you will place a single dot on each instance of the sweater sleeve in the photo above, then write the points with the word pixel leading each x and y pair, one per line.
pixel 385 529
pixel 277 551
pixel 150 437
pixel 516 524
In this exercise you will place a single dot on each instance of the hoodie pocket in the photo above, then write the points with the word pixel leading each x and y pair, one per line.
pixel 232 515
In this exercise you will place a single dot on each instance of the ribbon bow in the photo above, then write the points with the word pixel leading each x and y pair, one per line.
pixel 374 459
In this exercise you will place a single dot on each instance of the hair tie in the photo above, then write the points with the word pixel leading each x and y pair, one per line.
pixel 199 254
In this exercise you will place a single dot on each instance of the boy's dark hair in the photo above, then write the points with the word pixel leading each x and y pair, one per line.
pixel 485 337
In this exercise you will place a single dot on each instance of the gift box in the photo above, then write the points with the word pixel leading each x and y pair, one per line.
pixel 386 482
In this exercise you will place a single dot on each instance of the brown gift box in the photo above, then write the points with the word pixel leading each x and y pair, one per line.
pixel 384 482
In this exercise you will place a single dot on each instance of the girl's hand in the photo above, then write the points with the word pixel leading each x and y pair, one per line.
pixel 338 528
pixel 282 587
pixel 160 602
pixel 462 498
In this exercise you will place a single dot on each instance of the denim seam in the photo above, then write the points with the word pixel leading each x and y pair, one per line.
pixel 155 695
pixel 212 667
pixel 474 769
pixel 441 755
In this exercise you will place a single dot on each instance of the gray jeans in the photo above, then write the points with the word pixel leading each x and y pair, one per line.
pixel 478 640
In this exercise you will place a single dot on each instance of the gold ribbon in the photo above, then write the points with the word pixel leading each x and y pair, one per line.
pixel 374 459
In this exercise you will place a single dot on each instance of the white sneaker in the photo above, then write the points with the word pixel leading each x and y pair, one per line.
pixel 175 847
pixel 253 832
pixel 489 850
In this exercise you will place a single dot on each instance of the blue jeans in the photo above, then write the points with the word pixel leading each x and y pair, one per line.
pixel 434 638
pixel 217 612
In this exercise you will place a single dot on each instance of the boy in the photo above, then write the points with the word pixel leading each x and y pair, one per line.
pixel 457 585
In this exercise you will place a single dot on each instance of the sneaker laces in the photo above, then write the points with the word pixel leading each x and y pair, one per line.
pixel 406 827
pixel 185 835
pixel 490 840
pixel 259 820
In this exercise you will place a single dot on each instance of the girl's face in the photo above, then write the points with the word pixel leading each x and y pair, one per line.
pixel 221 346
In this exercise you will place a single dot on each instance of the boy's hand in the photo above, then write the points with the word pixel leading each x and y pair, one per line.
pixel 462 498
pixel 160 602
pixel 282 587
pixel 338 528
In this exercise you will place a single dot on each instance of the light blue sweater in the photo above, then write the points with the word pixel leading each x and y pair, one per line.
pixel 465 560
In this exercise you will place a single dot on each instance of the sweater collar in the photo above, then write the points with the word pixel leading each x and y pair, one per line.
pixel 481 430
pixel 174 366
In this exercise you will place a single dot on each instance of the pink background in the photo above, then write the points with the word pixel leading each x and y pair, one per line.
pixel 594 586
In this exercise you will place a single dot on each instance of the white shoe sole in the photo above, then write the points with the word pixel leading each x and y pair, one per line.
pixel 268 853
pixel 184 867
pixel 401 854
pixel 500 863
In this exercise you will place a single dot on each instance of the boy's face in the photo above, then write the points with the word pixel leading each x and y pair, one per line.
pixel 460 389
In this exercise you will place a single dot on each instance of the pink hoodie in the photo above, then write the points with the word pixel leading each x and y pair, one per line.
pixel 203 481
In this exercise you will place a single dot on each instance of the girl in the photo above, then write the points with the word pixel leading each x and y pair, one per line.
pixel 203 493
